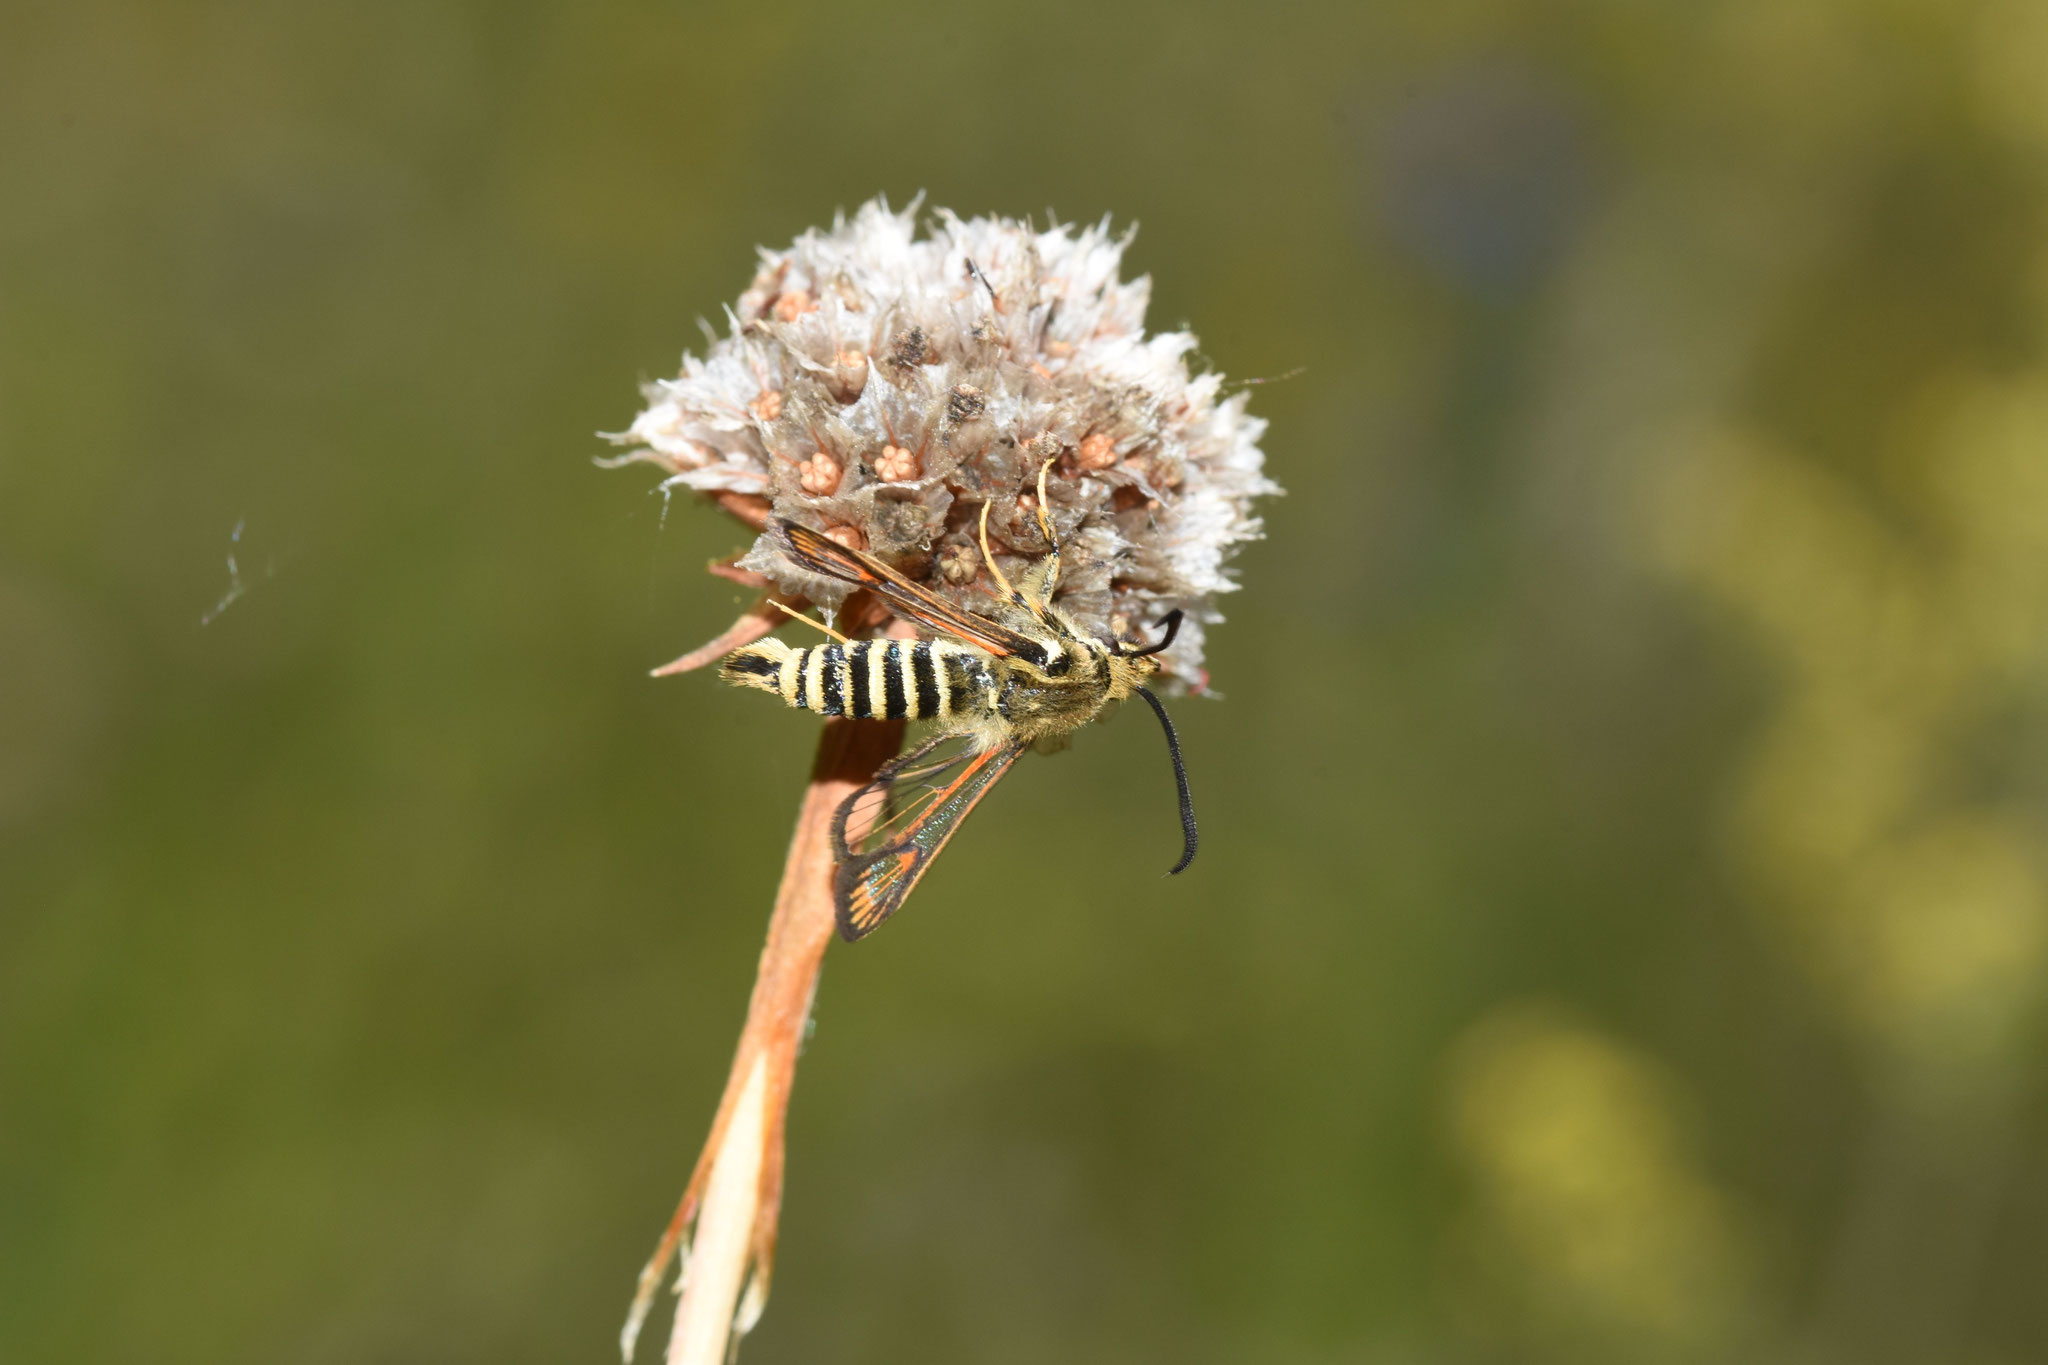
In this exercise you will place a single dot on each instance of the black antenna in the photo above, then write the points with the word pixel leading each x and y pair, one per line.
pixel 1180 779
pixel 1171 621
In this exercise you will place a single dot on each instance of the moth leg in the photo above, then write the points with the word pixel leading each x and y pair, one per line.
pixel 793 614
pixel 1040 580
pixel 1009 593
pixel 1049 569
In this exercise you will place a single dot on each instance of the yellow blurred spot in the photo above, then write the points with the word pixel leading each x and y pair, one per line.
pixel 2008 58
pixel 1923 919
pixel 1592 1219
pixel 1953 941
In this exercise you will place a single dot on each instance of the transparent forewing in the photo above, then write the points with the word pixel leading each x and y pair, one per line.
pixel 828 557
pixel 888 832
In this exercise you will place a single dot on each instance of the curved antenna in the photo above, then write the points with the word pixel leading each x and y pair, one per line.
pixel 1171 621
pixel 1180 780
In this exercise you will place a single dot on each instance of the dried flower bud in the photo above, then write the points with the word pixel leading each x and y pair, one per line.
pixel 911 348
pixel 819 475
pixel 1098 451
pixel 793 305
pixel 895 465
pixel 1038 351
pixel 768 406
pixel 959 563
pixel 849 374
pixel 966 404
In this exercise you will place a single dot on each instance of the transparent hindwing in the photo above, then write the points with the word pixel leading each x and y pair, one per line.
pixel 887 833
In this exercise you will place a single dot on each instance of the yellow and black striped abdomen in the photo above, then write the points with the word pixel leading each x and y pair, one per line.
pixel 868 679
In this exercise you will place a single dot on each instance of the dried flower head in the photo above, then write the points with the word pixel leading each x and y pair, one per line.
pixel 995 348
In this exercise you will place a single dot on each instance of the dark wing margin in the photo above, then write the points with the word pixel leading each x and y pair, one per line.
pixel 909 812
pixel 819 555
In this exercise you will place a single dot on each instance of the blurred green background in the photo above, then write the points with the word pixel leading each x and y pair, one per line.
pixel 1622 909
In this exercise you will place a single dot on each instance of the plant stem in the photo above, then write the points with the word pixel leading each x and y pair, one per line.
pixel 734 1197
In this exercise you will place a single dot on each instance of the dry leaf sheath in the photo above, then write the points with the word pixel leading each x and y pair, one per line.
pixel 884 390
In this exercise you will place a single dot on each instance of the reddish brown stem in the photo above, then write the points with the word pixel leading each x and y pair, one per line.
pixel 849 754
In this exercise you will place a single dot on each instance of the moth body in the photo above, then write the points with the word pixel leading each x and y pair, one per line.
pixel 966 690
pixel 992 684
pixel 873 679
